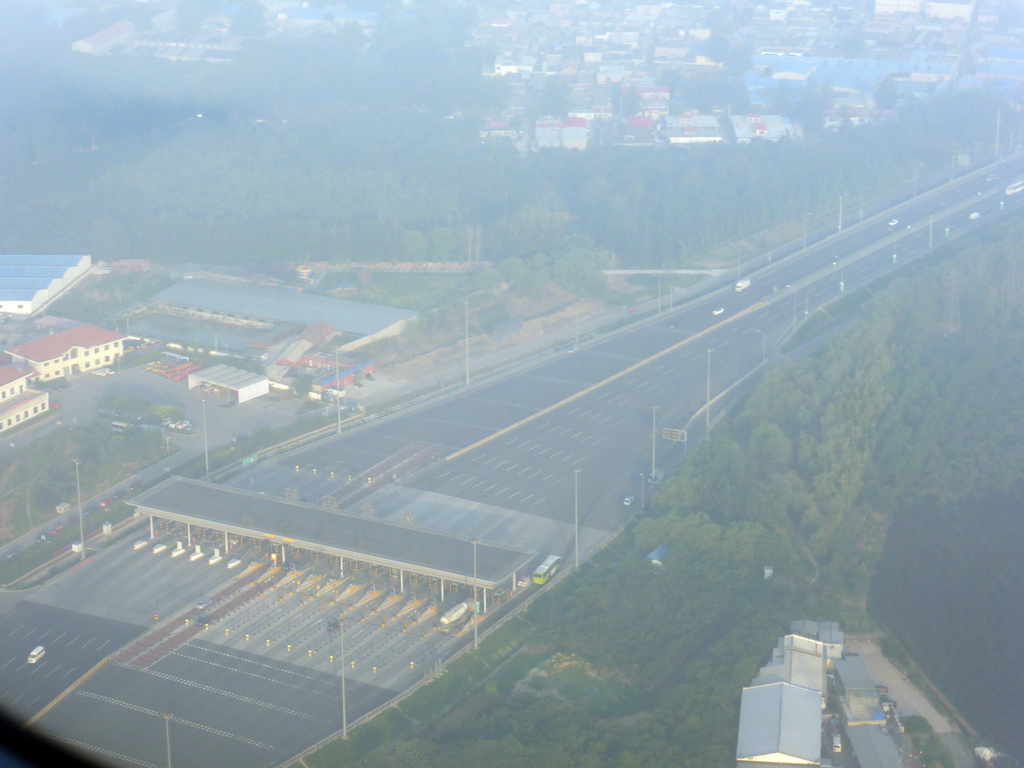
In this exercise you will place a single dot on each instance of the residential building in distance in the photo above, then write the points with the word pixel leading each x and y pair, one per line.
pixel 74 350
pixel 18 401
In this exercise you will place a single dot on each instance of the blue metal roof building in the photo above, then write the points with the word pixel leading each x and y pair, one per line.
pixel 30 281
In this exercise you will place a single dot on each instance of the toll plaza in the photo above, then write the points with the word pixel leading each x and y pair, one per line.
pixel 204 521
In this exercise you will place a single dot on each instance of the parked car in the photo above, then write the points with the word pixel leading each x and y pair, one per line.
pixel 628 501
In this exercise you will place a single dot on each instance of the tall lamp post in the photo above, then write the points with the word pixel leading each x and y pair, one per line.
pixel 764 344
pixel 337 394
pixel 576 512
pixel 206 442
pixel 344 700
pixel 707 405
pixel 476 603
pixel 167 731
pixel 466 305
pixel 81 523
pixel 654 444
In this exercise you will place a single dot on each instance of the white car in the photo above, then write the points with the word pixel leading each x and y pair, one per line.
pixel 893 222
pixel 717 312
pixel 628 501
pixel 974 216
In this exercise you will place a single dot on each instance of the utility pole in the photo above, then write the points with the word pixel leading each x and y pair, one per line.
pixel 840 213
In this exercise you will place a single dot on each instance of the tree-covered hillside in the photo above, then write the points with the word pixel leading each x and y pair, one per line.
pixel 889 454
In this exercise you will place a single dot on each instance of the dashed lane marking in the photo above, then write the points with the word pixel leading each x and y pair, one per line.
pixel 176 720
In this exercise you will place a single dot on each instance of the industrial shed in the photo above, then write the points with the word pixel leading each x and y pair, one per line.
pixel 780 724
pixel 270 307
pixel 30 281
pixel 872 747
pixel 245 384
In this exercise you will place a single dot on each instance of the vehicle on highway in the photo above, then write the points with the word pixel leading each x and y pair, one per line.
pixel 547 569
pixel 975 215
pixel 333 625
pixel 202 605
pixel 1014 188
pixel 837 744
pixel 36 654
pixel 717 312
pixel 893 223
pixel 56 529
pixel 742 285
pixel 107 502
pixel 992 177
pixel 628 501
pixel 454 616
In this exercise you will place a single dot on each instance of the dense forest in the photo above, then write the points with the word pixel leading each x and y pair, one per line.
pixel 878 473
pixel 339 147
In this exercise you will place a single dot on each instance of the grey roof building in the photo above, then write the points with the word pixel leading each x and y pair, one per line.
pixel 780 724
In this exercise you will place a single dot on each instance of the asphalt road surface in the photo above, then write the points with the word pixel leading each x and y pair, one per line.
pixel 599 410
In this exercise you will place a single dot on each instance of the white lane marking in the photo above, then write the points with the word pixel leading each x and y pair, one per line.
pixel 176 720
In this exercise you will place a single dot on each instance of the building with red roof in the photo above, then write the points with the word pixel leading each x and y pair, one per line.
pixel 73 350
pixel 18 401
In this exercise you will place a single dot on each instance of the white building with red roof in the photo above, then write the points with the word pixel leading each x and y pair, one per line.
pixel 18 401
pixel 74 350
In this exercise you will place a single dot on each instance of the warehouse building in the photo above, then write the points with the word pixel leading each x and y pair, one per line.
pixel 272 308
pixel 65 353
pixel 18 401
pixel 244 384
pixel 29 282
pixel 780 724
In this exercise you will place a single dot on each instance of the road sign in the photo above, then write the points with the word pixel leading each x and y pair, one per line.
pixel 672 434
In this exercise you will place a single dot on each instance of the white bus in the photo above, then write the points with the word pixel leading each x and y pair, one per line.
pixel 1013 189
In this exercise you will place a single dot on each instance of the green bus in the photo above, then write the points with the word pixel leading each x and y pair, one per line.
pixel 546 570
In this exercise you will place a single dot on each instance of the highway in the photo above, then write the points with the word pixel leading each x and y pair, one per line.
pixel 515 460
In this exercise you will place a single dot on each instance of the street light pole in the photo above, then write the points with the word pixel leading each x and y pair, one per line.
pixel 576 511
pixel 707 405
pixel 81 523
pixel 337 394
pixel 167 730
pixel 840 213
pixel 476 602
pixel 654 442
pixel 206 442
pixel 344 700
pixel 466 305
pixel 764 344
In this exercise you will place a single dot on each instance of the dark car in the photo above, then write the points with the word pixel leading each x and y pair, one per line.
pixel 333 626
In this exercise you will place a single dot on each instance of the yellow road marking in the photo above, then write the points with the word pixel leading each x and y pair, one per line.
pixel 598 385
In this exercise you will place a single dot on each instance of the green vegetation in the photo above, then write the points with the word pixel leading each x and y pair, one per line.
pixel 835 471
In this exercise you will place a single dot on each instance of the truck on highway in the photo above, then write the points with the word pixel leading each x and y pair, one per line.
pixel 454 616
pixel 742 285
pixel 1013 189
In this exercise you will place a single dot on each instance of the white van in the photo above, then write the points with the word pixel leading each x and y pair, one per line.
pixel 837 744
pixel 37 653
